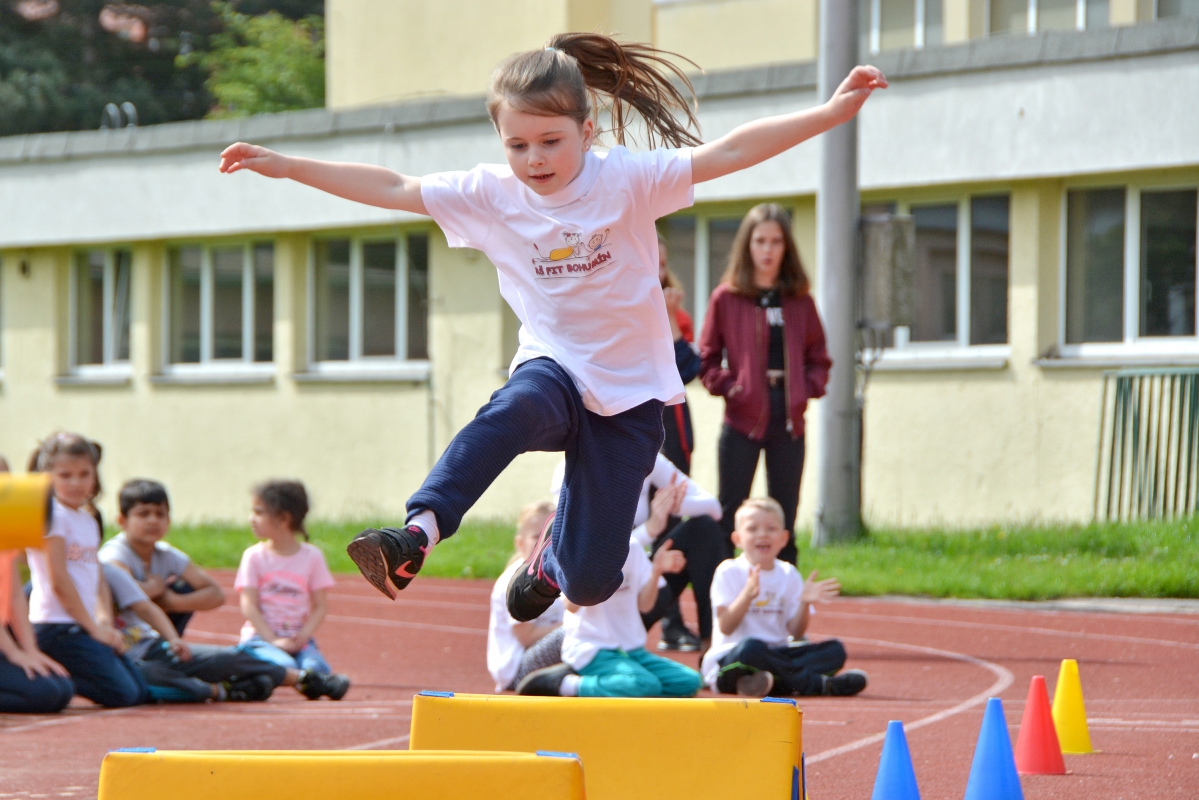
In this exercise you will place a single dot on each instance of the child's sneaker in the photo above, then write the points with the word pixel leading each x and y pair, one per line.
pixel 544 682
pixel 758 684
pixel 315 685
pixel 388 554
pixel 249 690
pixel 678 638
pixel 849 682
pixel 531 592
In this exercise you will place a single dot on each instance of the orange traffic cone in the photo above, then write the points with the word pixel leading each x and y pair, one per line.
pixel 1069 711
pixel 1037 748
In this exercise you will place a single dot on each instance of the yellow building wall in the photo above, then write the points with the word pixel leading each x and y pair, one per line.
pixel 386 52
pixel 738 33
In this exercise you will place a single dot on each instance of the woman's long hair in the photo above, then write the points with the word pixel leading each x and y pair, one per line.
pixel 578 73
pixel 739 275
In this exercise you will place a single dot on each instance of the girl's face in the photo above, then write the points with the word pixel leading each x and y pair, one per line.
pixel 767 244
pixel 527 535
pixel 266 524
pixel 545 153
pixel 73 479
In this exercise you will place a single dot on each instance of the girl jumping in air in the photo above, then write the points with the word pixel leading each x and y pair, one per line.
pixel 596 359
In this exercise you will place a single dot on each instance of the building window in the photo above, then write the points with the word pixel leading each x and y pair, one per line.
pixel 220 304
pixel 100 284
pixel 1130 266
pixel 698 249
pixel 370 299
pixel 961 273
pixel 1177 8
pixel 900 24
pixel 1007 17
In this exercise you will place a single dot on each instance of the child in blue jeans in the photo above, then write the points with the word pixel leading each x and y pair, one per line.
pixel 70 607
pixel 282 582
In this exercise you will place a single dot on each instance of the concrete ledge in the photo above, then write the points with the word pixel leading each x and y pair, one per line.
pixel 78 381
pixel 980 55
pixel 213 377
pixel 940 364
pixel 1110 362
pixel 408 373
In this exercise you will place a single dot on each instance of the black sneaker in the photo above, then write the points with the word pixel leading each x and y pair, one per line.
pixel 544 682
pixel 678 638
pixel 729 677
pixel 530 591
pixel 384 554
pixel 757 685
pixel 849 682
pixel 315 685
pixel 249 690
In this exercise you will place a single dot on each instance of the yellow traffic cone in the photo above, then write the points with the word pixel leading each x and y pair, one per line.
pixel 1069 713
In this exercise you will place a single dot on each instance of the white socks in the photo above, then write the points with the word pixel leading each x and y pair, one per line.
pixel 427 521
pixel 570 686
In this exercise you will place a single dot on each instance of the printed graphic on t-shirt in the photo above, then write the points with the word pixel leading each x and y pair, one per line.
pixel 77 552
pixel 577 259
pixel 283 598
pixel 766 603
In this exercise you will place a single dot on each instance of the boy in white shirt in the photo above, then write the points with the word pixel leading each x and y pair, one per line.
pixel 514 649
pixel 761 605
pixel 603 646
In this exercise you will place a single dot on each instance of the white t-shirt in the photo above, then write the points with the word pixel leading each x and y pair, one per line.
pixel 81 536
pixel 697 502
pixel 504 651
pixel 579 267
pixel 614 624
pixel 765 619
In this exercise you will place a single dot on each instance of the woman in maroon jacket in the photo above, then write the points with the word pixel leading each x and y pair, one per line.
pixel 763 351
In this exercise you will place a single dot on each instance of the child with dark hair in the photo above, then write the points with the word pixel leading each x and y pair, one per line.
pixel 70 606
pixel 571 232
pixel 150 582
pixel 282 582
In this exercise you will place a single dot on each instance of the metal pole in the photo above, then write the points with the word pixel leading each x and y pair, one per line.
pixel 838 512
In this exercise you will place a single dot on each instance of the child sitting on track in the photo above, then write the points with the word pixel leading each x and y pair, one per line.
pixel 603 647
pixel 282 583
pixel 572 235
pixel 514 649
pixel 137 562
pixel 30 681
pixel 761 604
pixel 70 606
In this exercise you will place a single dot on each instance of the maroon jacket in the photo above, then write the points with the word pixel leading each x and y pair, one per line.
pixel 735 330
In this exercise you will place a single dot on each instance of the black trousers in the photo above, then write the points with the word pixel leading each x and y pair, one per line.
pixel 797 668
pixel 209 664
pixel 679 441
pixel 737 461
pixel 705 545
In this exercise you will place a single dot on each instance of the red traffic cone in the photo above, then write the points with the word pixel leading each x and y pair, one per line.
pixel 1037 748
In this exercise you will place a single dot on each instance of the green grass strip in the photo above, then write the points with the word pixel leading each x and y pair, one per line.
pixel 1159 559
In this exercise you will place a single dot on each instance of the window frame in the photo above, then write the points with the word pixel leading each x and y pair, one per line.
pixel 920 12
pixel 111 367
pixel 357 365
pixel 1033 21
pixel 1132 346
pixel 235 369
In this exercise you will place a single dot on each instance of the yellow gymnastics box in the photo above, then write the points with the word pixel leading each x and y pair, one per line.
pixel 24 509
pixel 338 775
pixel 631 748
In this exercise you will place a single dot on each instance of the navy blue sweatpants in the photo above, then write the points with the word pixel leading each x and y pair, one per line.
pixel 607 460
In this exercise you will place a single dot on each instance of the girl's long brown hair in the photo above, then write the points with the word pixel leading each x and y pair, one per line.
pixel 578 73
pixel 739 275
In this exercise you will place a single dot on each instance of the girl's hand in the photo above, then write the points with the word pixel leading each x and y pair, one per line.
pixel 854 90
pixel 287 644
pixel 36 663
pixel 252 157
pixel 107 635
pixel 815 591
pixel 180 649
pixel 668 561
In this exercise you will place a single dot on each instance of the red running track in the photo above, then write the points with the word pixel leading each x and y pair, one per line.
pixel 931 665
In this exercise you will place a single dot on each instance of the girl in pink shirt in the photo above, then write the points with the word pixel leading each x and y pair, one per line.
pixel 282 583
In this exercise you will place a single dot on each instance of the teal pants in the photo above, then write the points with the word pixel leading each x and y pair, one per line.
pixel 637 673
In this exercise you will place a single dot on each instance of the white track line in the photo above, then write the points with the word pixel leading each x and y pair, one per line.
pixel 420 626
pixel 951 623
pixel 379 743
pixel 1003 679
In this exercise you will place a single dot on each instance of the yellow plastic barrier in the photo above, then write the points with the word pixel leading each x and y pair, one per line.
pixel 24 504
pixel 338 775
pixel 661 749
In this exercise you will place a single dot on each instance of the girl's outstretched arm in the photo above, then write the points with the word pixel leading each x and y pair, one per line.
pixel 754 142
pixel 362 183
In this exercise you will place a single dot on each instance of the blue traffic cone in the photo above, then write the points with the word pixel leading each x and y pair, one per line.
pixel 896 779
pixel 993 774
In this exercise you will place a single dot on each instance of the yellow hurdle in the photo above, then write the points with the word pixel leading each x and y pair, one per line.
pixel 338 775
pixel 660 749
pixel 24 503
